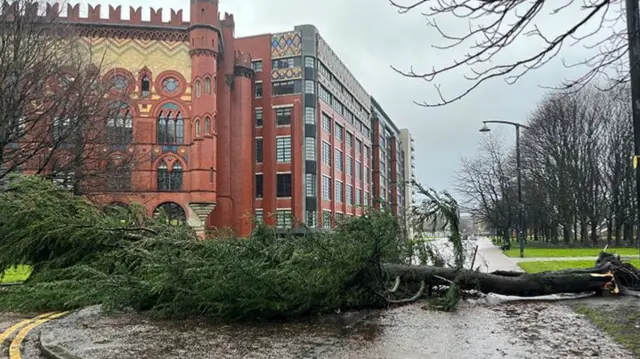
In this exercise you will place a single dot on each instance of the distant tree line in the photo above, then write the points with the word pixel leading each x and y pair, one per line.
pixel 578 177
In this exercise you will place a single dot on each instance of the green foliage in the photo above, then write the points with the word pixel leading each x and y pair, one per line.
pixel 89 256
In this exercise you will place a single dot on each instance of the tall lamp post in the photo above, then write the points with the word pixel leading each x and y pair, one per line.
pixel 519 170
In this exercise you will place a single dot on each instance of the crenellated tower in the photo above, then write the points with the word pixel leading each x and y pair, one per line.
pixel 205 50
pixel 242 144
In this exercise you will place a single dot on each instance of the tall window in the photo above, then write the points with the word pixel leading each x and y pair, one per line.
pixel 118 177
pixel 259 153
pixel 258 117
pixel 198 89
pixel 283 185
pixel 145 86
pixel 283 149
pixel 309 86
pixel 283 116
pixel 207 85
pixel 170 125
pixel 258 89
pixel 259 186
pixel 349 139
pixel 62 129
pixel 284 218
pixel 349 194
pixel 339 132
pixel 169 180
pixel 312 219
pixel 310 115
pixel 119 129
pixel 326 154
pixel 339 161
pixel 207 125
pixel 326 219
pixel 339 191
pixel 326 122
pixel 349 166
pixel 198 128
pixel 358 170
pixel 259 216
pixel 326 188
pixel 310 184
pixel 309 148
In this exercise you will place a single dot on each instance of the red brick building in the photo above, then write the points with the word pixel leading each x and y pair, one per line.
pixel 272 126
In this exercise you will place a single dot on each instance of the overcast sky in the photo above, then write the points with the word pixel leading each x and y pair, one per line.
pixel 370 36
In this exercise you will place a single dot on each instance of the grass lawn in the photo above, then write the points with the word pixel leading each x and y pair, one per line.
pixel 543 266
pixel 567 252
pixel 17 274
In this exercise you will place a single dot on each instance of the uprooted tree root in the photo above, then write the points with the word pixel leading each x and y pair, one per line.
pixel 608 274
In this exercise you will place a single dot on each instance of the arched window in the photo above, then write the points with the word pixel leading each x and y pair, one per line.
pixel 172 212
pixel 119 129
pixel 170 125
pixel 145 86
pixel 198 129
pixel 197 90
pixel 207 85
pixel 118 176
pixel 207 125
pixel 169 180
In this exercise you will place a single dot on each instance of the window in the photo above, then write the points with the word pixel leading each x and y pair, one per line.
pixel 259 216
pixel 339 132
pixel 339 218
pixel 324 94
pixel 358 146
pixel 145 86
pixel 198 89
pixel 198 129
pixel 366 152
pixel 283 116
pixel 61 129
pixel 283 149
pixel 258 89
pixel 256 65
pixel 309 86
pixel 310 149
pixel 64 177
pixel 339 161
pixel 169 180
pixel 258 117
pixel 326 188
pixel 207 85
pixel 259 186
pixel 366 199
pixel 310 184
pixel 349 166
pixel 326 154
pixel 172 213
pixel 170 125
pixel 119 129
pixel 324 71
pixel 170 85
pixel 284 87
pixel 259 156
pixel 207 125
pixel 118 177
pixel 358 170
pixel 284 218
pixel 326 219
pixel 366 175
pixel 349 139
pixel 286 63
pixel 339 192
pixel 309 62
pixel 358 197
pixel 283 185
pixel 312 220
pixel 349 194
pixel 326 122
pixel 310 115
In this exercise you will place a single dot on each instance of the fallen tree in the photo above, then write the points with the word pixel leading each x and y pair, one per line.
pixel 86 256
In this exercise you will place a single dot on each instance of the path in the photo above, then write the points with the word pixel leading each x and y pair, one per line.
pixel 15 329
pixel 544 259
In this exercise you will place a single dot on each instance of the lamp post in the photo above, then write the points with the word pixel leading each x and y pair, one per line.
pixel 519 171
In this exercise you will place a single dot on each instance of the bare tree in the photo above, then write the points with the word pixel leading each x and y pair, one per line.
pixel 496 26
pixel 485 182
pixel 57 114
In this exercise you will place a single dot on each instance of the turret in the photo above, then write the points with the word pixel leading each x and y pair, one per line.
pixel 205 50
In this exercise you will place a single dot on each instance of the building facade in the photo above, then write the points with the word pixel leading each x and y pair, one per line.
pixel 273 127
pixel 408 149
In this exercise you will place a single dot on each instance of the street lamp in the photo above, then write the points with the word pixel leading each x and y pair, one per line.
pixel 485 129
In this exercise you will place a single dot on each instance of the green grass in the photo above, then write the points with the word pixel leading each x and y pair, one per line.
pixel 622 325
pixel 567 252
pixel 543 266
pixel 17 274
